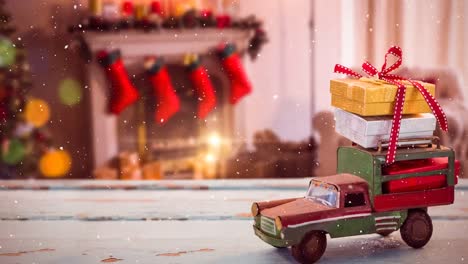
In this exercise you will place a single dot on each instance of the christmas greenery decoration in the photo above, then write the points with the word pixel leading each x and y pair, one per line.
pixel 21 142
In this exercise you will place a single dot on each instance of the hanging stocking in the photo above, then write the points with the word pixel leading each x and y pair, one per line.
pixel 240 85
pixel 203 86
pixel 167 102
pixel 122 93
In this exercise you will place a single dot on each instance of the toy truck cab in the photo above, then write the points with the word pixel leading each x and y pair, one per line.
pixel 333 204
pixel 365 197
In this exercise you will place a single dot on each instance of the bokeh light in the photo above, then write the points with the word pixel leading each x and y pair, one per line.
pixel 7 52
pixel 70 92
pixel 37 112
pixel 55 163
pixel 13 153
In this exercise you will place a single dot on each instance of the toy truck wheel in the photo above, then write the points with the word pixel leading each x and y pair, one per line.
pixel 417 229
pixel 311 248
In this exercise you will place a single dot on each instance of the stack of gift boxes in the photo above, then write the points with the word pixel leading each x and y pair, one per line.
pixel 365 107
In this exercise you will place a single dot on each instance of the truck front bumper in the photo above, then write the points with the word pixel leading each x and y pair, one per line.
pixel 274 241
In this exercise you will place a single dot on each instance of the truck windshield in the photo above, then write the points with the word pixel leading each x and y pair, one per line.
pixel 323 193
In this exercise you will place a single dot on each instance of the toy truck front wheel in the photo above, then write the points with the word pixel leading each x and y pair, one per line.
pixel 311 247
pixel 416 231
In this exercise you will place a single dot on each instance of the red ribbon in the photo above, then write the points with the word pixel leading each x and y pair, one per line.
pixel 384 74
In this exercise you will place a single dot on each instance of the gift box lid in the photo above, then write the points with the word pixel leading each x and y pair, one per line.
pixel 368 90
pixel 381 125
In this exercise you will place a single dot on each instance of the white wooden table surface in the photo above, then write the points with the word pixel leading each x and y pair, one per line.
pixel 185 222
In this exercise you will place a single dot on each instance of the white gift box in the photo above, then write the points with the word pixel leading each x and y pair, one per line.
pixel 368 131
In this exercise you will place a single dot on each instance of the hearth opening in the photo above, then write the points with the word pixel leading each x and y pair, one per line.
pixel 185 146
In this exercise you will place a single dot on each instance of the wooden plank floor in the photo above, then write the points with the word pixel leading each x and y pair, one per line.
pixel 185 222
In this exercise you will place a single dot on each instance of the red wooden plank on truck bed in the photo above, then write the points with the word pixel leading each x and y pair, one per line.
pixel 399 201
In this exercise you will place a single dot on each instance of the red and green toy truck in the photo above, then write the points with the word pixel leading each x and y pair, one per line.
pixel 365 197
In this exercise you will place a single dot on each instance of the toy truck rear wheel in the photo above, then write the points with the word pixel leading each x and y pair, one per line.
pixel 311 248
pixel 416 231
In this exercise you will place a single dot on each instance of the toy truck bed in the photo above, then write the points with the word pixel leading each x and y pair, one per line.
pixel 421 177
pixel 418 183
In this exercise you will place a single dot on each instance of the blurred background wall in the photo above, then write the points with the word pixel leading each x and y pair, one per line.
pixel 281 75
pixel 291 75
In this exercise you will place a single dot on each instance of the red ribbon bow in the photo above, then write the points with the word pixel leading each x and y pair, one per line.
pixel 384 74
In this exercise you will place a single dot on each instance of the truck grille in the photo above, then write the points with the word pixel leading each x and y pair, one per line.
pixel 268 225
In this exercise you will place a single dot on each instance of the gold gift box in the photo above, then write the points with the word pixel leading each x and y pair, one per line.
pixel 373 97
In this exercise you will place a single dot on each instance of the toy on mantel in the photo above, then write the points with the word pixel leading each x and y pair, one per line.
pixel 376 190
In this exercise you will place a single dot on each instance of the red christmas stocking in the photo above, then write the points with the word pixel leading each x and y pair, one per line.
pixel 167 102
pixel 240 84
pixel 123 93
pixel 203 87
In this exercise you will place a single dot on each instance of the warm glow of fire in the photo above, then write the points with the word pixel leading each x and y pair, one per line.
pixel 210 158
pixel 214 140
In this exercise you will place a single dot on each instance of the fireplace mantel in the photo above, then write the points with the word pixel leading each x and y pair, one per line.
pixel 169 42
pixel 134 45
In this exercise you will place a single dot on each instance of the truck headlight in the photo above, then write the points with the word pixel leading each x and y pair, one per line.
pixel 255 210
pixel 278 223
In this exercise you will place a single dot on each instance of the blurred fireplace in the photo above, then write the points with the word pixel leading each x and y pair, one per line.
pixel 183 136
